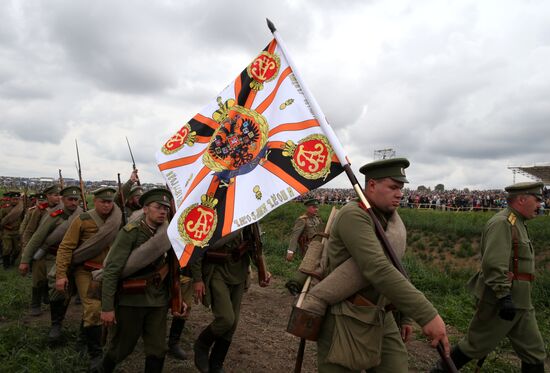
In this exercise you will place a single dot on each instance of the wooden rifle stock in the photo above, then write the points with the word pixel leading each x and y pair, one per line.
pixel 175 286
pixel 258 253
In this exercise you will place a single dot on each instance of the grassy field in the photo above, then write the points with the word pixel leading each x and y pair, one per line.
pixel 442 255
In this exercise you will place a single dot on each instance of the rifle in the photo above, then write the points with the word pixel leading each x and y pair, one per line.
pixel 122 201
pixel 257 252
pixel 134 162
pixel 79 169
pixel 61 183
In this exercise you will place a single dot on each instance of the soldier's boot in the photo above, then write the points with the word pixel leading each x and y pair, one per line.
pixel 77 300
pixel 457 356
pixel 202 349
pixel 153 364
pixel 93 341
pixel 532 368
pixel 57 311
pixel 36 310
pixel 174 336
pixel 108 364
pixel 217 357
pixel 81 344
pixel 45 294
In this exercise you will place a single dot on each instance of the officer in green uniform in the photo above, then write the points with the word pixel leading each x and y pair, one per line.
pixel 305 227
pixel 219 281
pixel 363 320
pixel 503 286
pixel 10 220
pixel 143 313
pixel 47 202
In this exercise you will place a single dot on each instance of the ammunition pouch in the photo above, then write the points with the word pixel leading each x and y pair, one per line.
pixel 138 286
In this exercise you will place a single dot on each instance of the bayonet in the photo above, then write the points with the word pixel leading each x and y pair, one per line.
pixel 133 160
pixel 79 169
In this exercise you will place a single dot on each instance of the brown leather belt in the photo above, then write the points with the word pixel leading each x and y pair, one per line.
pixel 359 300
pixel 521 276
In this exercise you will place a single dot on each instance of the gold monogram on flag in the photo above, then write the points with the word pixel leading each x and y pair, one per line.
pixel 311 157
pixel 197 223
pixel 263 69
pixel 182 137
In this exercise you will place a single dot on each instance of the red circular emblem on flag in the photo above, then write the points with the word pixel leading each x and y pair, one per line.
pixel 197 222
pixel 263 69
pixel 311 157
pixel 176 142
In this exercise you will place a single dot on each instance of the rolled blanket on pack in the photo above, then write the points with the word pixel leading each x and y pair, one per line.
pixel 136 215
pixel 13 215
pixel 55 237
pixel 143 255
pixel 346 279
pixel 104 237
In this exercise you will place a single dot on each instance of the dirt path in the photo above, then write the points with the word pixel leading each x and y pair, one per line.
pixel 260 344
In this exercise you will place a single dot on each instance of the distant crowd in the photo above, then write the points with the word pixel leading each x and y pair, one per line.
pixel 454 200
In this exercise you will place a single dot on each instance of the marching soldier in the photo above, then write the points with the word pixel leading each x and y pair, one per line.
pixel 132 193
pixel 305 227
pixel 11 217
pixel 83 249
pixel 359 332
pixel 142 303
pixel 503 286
pixel 42 249
pixel 46 203
pixel 219 281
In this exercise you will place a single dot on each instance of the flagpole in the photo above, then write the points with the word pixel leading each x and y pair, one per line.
pixel 342 157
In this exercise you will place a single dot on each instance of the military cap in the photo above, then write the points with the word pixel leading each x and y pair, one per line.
pixel 13 194
pixel 311 202
pixel 393 167
pixel 39 196
pixel 105 193
pixel 160 195
pixel 52 189
pixel 533 188
pixel 136 190
pixel 70 191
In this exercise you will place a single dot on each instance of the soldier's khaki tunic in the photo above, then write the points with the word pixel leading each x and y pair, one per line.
pixel 36 216
pixel 11 240
pixel 486 328
pixel 44 265
pixel 306 225
pixel 81 229
pixel 353 235
pixel 136 314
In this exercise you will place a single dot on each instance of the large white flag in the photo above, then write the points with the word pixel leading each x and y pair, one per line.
pixel 256 146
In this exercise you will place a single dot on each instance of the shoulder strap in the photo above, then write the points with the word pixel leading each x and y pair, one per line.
pixel 95 216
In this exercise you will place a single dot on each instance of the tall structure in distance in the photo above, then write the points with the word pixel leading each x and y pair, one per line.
pixel 384 154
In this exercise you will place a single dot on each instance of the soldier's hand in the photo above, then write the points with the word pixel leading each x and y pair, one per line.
pixel 507 309
pixel 134 176
pixel 61 284
pixel 23 268
pixel 108 318
pixel 289 256
pixel 183 312
pixel 200 291
pixel 267 280
pixel 435 330
pixel 406 332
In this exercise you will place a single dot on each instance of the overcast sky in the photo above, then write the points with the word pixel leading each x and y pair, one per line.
pixel 461 88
